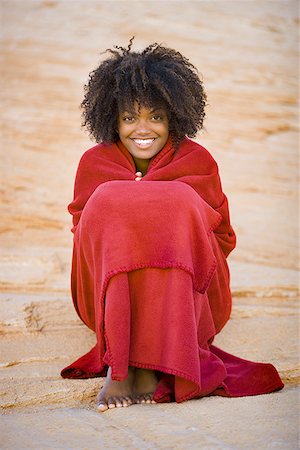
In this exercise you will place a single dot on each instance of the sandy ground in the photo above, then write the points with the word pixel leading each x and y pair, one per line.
pixel 247 53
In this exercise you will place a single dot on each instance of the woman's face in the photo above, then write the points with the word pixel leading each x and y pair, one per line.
pixel 145 132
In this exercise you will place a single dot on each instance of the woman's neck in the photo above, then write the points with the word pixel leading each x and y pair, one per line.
pixel 141 164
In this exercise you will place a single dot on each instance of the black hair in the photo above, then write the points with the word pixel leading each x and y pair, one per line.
pixel 157 76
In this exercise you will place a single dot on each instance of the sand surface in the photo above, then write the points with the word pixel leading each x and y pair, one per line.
pixel 247 52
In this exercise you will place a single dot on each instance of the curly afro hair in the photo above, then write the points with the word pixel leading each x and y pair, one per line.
pixel 155 77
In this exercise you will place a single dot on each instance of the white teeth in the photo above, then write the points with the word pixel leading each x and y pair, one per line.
pixel 143 141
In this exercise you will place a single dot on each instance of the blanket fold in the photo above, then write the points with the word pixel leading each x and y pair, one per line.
pixel 149 272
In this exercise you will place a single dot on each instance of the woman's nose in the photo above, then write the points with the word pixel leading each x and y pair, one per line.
pixel 143 127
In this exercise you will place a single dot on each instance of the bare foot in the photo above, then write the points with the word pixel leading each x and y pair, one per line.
pixel 145 384
pixel 116 394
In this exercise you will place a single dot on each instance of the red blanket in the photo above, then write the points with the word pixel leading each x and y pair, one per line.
pixel 149 272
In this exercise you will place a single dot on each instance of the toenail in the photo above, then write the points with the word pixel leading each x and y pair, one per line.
pixel 102 407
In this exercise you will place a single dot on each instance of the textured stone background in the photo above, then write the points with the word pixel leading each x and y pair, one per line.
pixel 247 52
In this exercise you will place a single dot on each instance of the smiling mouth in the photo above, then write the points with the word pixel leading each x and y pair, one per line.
pixel 143 143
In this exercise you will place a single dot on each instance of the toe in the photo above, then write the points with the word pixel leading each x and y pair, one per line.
pixel 111 403
pixel 142 399
pixel 124 401
pixel 148 398
pixel 102 406
pixel 137 399
pixel 128 400
pixel 119 402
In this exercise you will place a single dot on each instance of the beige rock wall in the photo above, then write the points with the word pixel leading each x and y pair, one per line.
pixel 247 52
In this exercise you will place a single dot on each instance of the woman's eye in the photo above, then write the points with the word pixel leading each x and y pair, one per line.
pixel 157 117
pixel 128 119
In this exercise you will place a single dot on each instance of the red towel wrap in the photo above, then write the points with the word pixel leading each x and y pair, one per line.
pixel 150 276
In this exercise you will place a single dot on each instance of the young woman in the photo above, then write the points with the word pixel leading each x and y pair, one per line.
pixel 151 238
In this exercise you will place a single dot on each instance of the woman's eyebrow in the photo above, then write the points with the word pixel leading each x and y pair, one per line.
pixel 157 109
